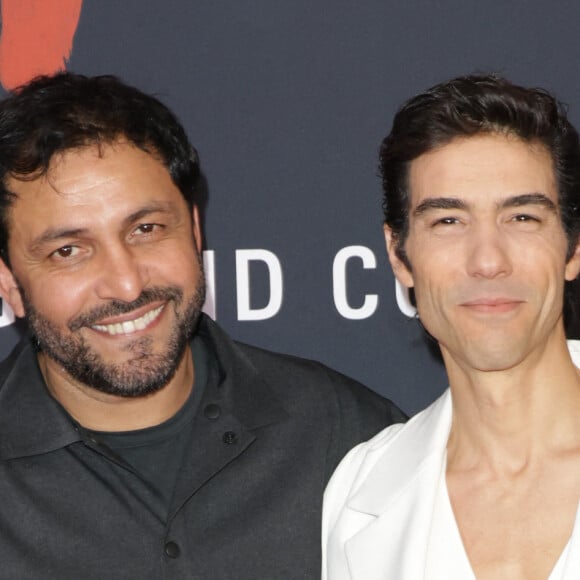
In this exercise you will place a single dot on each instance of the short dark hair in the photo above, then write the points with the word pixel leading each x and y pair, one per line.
pixel 53 114
pixel 472 105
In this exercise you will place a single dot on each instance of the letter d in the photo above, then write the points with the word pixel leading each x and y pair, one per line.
pixel 243 258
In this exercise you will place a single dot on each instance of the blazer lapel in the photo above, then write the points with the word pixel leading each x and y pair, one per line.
pixel 572 564
pixel 399 494
pixel 389 515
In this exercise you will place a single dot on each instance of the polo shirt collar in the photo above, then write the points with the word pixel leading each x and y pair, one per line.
pixel 240 385
pixel 32 421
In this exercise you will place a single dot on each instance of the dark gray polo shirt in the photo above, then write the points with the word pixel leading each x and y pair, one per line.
pixel 247 503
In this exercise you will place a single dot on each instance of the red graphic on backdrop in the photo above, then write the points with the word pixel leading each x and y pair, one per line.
pixel 37 38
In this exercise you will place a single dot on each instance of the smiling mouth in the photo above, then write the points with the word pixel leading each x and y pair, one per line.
pixel 500 305
pixel 130 326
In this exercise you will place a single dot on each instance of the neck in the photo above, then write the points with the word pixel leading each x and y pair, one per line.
pixel 510 418
pixel 103 412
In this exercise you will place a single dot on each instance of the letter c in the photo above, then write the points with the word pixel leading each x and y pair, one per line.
pixel 339 282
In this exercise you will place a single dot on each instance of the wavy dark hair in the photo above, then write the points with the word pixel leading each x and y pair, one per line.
pixel 472 105
pixel 53 114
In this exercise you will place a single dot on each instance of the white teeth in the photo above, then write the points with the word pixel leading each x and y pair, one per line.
pixel 129 326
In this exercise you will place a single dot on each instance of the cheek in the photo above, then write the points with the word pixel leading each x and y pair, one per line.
pixel 434 273
pixel 543 263
pixel 429 304
pixel 437 282
pixel 58 298
pixel 58 304
pixel 181 268
pixel 430 301
pixel 178 266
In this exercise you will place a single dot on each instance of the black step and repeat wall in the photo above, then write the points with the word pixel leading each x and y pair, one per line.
pixel 287 103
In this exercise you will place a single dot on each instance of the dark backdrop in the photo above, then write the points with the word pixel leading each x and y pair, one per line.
pixel 287 103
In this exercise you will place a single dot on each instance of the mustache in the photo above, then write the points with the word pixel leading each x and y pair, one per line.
pixel 117 307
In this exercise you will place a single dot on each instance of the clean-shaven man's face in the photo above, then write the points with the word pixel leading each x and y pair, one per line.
pixel 487 249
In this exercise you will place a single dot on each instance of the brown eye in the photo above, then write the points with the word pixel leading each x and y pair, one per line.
pixel 446 221
pixel 146 228
pixel 525 218
pixel 65 252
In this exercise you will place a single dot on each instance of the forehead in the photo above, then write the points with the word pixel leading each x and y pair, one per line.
pixel 94 190
pixel 91 182
pixel 482 169
pixel 77 171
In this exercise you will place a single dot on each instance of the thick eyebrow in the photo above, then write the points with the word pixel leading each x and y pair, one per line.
pixel 439 203
pixel 529 199
pixel 54 234
pixel 159 207
pixel 514 201
pixel 51 235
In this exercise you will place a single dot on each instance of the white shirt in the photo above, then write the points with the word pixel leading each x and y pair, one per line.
pixel 380 503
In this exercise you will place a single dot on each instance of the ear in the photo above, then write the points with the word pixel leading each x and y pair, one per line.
pixel 402 273
pixel 573 265
pixel 197 229
pixel 9 290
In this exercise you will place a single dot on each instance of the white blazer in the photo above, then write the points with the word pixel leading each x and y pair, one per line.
pixel 379 503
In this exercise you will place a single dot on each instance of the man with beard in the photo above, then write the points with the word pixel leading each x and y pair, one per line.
pixel 137 440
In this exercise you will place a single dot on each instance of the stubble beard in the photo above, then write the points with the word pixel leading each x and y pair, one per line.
pixel 147 370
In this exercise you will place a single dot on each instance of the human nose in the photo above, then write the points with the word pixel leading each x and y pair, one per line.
pixel 122 276
pixel 488 255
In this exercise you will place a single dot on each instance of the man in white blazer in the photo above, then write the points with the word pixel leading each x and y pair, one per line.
pixel 482 194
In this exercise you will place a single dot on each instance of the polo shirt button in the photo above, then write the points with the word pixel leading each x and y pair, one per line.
pixel 212 411
pixel 229 438
pixel 172 550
